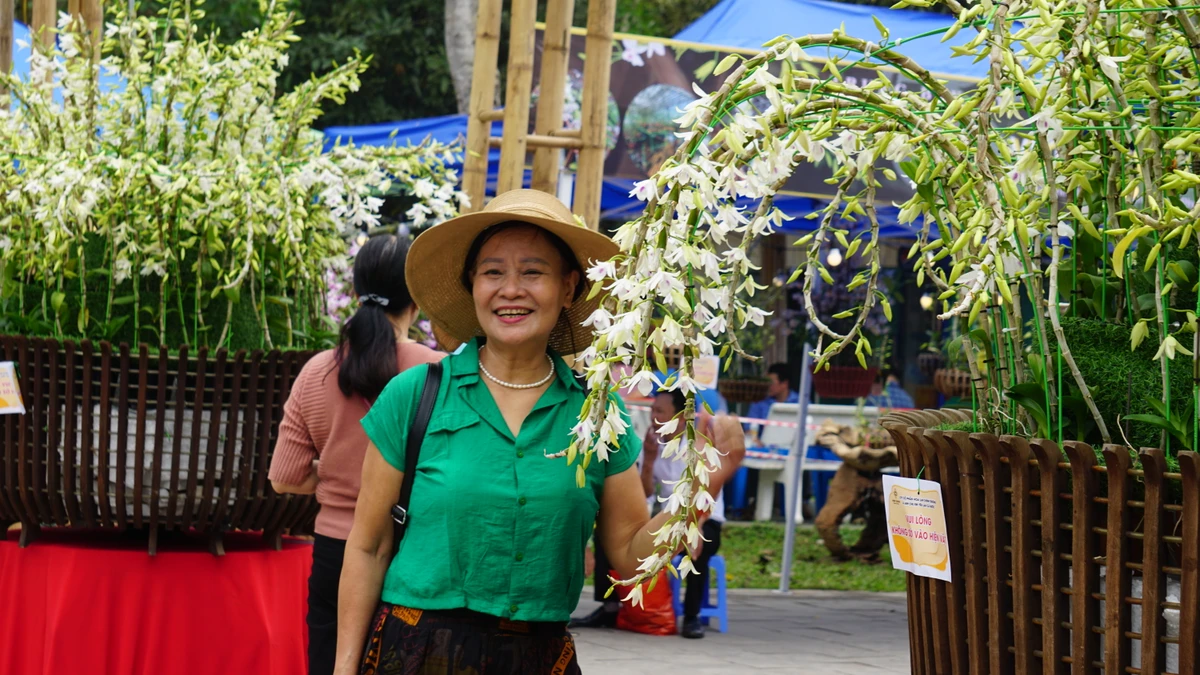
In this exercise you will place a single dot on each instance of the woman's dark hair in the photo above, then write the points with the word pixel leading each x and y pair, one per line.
pixel 570 262
pixel 366 351
pixel 781 371
pixel 678 398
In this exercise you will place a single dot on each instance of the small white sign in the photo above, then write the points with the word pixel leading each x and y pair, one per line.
pixel 706 370
pixel 10 390
pixel 916 522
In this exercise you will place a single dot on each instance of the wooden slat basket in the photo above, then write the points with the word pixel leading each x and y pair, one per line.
pixel 115 439
pixel 1062 564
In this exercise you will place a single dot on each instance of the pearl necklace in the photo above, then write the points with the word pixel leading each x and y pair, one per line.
pixel 510 385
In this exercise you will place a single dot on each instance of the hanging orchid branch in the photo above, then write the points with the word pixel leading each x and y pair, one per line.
pixel 171 181
pixel 1084 127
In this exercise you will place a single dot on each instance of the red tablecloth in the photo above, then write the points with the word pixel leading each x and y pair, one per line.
pixel 86 604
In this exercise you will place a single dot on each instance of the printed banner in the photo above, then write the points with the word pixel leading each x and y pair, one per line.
pixel 10 390
pixel 916 522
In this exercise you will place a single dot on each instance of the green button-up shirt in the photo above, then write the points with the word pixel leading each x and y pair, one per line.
pixel 495 524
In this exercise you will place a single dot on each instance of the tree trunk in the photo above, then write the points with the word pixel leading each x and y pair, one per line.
pixel 460 47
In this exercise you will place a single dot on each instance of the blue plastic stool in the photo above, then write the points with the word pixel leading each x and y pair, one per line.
pixel 716 570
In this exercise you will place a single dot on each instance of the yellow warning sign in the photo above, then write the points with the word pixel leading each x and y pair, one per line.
pixel 10 390
pixel 916 522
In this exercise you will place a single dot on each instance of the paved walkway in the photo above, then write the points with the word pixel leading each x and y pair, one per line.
pixel 805 633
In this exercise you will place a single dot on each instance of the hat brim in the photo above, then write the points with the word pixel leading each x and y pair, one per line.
pixel 438 255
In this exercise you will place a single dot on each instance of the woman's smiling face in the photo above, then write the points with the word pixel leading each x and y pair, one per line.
pixel 520 287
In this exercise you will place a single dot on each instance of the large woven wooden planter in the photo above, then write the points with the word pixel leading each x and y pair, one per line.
pixel 120 440
pixel 952 382
pixel 1060 565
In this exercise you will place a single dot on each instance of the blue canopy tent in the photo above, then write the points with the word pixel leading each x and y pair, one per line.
pixel 747 24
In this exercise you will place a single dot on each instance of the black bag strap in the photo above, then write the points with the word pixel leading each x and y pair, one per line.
pixel 412 451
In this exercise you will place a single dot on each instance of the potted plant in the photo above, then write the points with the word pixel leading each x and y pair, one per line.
pixel 1055 213
pixel 188 205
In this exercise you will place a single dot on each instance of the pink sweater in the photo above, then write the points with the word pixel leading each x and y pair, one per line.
pixel 319 422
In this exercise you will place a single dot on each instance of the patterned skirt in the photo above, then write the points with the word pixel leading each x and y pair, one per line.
pixel 405 641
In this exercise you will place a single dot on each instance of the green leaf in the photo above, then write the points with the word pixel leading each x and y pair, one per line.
pixel 110 330
pixel 1079 417
pixel 233 294
pixel 56 301
pixel 124 300
pixel 1032 398
pixel 280 300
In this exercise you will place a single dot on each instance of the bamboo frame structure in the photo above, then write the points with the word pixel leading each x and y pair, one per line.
pixel 597 69
pixel 43 18
pixel 6 38
pixel 556 51
pixel 483 93
pixel 548 137
pixel 91 12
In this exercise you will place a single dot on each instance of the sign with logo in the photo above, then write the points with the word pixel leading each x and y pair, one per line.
pixel 10 390
pixel 916 522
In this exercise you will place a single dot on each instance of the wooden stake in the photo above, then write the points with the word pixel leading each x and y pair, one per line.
pixel 483 94
pixel 588 180
pixel 6 39
pixel 555 57
pixel 91 12
pixel 516 98
pixel 44 22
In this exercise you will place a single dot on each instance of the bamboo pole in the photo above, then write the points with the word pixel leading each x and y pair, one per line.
pixel 91 12
pixel 540 141
pixel 589 177
pixel 517 96
pixel 556 51
pixel 44 22
pixel 6 38
pixel 483 95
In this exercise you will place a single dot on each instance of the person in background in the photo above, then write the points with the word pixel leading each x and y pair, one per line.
pixel 779 390
pixel 886 392
pixel 660 474
pixel 321 443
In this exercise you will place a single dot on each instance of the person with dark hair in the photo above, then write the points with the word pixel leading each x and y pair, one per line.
pixel 491 564
pixel 321 443
pixel 887 392
pixel 779 390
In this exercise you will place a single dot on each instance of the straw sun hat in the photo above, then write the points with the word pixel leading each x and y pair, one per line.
pixel 437 256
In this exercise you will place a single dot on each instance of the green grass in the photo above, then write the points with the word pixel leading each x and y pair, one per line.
pixel 753 555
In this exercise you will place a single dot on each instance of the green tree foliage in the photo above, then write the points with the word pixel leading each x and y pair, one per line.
pixel 408 76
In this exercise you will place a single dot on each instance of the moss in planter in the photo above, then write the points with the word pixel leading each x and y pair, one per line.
pixel 1122 382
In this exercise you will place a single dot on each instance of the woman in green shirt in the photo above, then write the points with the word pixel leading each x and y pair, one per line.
pixel 491 565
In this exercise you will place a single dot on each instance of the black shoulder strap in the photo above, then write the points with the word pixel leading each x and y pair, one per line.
pixel 412 451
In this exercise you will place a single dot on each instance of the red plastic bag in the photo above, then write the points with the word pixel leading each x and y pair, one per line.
pixel 657 614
